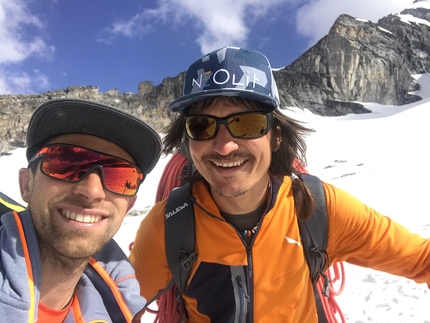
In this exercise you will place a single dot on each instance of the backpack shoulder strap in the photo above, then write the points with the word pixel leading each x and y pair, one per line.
pixel 314 231
pixel 179 234
pixel 314 235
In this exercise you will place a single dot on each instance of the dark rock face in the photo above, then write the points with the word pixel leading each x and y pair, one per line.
pixel 357 61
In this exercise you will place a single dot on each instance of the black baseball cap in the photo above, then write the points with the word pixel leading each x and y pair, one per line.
pixel 75 116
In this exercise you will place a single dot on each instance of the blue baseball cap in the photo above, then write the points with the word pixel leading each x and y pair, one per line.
pixel 229 71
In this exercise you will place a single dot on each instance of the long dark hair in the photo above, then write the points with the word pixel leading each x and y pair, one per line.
pixel 288 132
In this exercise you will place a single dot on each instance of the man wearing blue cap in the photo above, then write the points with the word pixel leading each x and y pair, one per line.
pixel 247 200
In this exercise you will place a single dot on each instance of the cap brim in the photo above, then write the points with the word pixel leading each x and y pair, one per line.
pixel 186 101
pixel 68 116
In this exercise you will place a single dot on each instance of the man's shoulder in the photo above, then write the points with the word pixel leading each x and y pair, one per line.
pixel 14 222
pixel 107 266
pixel 112 256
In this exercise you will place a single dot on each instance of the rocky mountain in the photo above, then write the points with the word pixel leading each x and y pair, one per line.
pixel 362 61
pixel 357 61
pixel 149 104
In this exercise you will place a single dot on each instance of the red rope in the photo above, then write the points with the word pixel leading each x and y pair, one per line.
pixel 169 179
pixel 336 273
pixel 168 309
pixel 331 308
pixel 170 176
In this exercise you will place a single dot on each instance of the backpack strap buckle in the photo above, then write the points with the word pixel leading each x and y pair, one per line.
pixel 188 261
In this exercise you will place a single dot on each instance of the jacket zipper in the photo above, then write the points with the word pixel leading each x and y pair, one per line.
pixel 247 287
pixel 243 300
pixel 250 284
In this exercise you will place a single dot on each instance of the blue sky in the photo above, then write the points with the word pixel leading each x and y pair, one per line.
pixel 46 45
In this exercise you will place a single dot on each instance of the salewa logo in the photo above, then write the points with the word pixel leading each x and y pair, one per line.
pixel 292 241
pixel 223 76
pixel 173 212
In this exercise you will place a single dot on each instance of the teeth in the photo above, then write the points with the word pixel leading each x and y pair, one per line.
pixel 83 218
pixel 231 164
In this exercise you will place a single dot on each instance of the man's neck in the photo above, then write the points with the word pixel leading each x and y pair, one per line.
pixel 59 279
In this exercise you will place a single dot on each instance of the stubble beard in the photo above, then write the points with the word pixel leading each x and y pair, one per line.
pixel 68 248
pixel 225 186
pixel 227 191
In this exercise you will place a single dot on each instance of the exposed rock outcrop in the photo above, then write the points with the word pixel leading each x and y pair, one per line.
pixel 149 104
pixel 358 61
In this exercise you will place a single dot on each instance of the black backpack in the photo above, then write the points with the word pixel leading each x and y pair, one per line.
pixel 180 239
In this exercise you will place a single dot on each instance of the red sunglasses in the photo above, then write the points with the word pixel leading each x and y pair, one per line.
pixel 73 163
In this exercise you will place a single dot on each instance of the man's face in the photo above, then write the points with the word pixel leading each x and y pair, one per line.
pixel 233 167
pixel 97 213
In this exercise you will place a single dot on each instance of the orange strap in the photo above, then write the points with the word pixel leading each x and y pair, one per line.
pixel 113 287
pixel 28 266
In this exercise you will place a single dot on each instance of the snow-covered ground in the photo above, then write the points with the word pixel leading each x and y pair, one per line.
pixel 382 158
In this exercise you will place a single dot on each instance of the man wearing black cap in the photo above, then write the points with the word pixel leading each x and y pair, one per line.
pixel 59 263
pixel 247 199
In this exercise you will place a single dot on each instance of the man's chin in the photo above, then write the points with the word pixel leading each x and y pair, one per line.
pixel 229 190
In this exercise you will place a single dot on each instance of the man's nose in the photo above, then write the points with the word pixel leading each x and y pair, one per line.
pixel 224 142
pixel 91 187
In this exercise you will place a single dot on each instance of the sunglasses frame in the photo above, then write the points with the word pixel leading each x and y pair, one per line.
pixel 39 157
pixel 219 121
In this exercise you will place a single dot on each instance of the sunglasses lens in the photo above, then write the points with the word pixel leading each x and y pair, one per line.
pixel 64 162
pixel 252 125
pixel 72 163
pixel 241 125
pixel 200 127
pixel 122 179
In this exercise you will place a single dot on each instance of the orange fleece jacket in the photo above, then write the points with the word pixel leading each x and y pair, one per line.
pixel 280 287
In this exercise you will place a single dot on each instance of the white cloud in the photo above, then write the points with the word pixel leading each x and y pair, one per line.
pixel 220 22
pixel 22 81
pixel 13 81
pixel 40 81
pixel 217 23
pixel 315 18
pixel 4 87
pixel 136 26
pixel 17 46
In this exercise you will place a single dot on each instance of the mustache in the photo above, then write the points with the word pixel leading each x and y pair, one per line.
pixel 77 201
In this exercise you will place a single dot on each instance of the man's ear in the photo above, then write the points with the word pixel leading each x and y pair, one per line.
pixel 131 202
pixel 278 142
pixel 276 139
pixel 25 183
